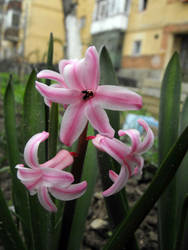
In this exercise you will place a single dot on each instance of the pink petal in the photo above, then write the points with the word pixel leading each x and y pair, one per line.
pixel 117 98
pixel 63 63
pixel 71 192
pixel 62 159
pixel 139 161
pixel 73 123
pixel 149 138
pixel 58 95
pixel 134 136
pixel 46 100
pixel 119 182
pixel 31 178
pixel 31 149
pixel 99 119
pixel 71 77
pixel 51 75
pixel 25 174
pixel 113 176
pixel 52 176
pixel 88 69
pixel 45 200
pixel 114 147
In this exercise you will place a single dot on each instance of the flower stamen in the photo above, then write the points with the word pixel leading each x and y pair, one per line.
pixel 87 94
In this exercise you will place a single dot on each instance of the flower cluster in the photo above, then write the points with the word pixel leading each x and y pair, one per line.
pixel 77 89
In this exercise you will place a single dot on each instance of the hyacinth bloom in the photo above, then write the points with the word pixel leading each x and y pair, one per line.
pixel 50 176
pixel 78 87
pixel 128 156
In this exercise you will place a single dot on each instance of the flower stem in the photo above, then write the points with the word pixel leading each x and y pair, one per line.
pixel 70 206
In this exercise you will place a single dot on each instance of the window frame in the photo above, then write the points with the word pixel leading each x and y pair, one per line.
pixel 136 48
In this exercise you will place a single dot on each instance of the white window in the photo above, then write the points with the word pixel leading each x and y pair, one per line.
pixel 126 5
pixel 111 7
pixel 136 48
pixel 102 10
pixel 12 19
pixel 142 5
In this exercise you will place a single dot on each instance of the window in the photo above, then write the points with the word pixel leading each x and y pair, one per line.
pixel 126 5
pixel 102 10
pixel 143 5
pixel 136 48
pixel 15 19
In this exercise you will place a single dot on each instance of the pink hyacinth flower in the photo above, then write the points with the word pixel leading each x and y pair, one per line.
pixel 50 176
pixel 86 99
pixel 128 156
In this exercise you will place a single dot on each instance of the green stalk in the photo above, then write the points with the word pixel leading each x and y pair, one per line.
pixel 181 179
pixel 117 205
pixel 20 195
pixel 8 232
pixel 69 209
pixel 168 133
pixel 34 122
pixel 90 173
pixel 179 241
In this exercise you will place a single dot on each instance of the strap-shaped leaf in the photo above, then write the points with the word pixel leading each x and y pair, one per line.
pixel 90 173
pixel 168 132
pixel 34 122
pixel 180 242
pixel 161 180
pixel 117 205
pixel 181 179
pixel 20 196
pixel 69 209
pixel 8 233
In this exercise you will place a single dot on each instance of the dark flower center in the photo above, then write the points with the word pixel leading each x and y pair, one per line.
pixel 87 94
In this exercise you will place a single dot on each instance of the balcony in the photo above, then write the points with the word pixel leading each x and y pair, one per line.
pixel 116 22
pixel 11 34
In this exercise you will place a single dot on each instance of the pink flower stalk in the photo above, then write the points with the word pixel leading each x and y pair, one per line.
pixel 78 88
pixel 48 177
pixel 128 156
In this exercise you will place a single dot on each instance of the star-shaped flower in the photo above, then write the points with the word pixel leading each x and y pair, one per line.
pixel 128 156
pixel 48 177
pixel 78 86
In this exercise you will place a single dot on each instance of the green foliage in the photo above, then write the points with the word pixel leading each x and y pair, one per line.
pixel 17 84
pixel 168 133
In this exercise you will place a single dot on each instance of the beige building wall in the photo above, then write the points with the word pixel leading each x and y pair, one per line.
pixel 154 27
pixel 85 11
pixel 40 18
pixel 159 28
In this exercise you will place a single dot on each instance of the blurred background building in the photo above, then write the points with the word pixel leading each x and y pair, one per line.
pixel 141 35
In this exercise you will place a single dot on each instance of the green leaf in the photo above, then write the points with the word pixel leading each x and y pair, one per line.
pixel 181 178
pixel 53 130
pixel 8 233
pixel 20 196
pixel 180 242
pixel 161 180
pixel 90 173
pixel 168 132
pixel 50 52
pixel 34 122
pixel 69 209
pixel 117 205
